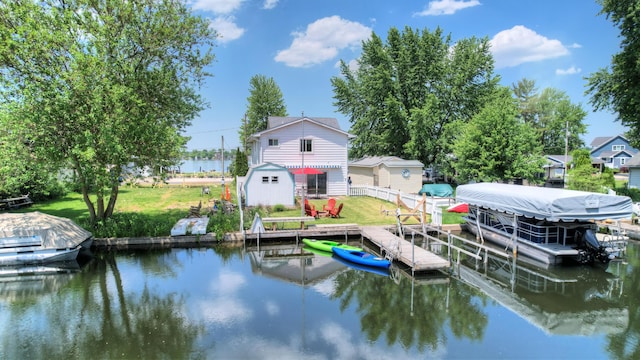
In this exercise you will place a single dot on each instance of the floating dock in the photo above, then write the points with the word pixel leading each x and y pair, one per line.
pixel 401 250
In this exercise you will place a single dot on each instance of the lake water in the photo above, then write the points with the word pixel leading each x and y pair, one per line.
pixel 285 303
pixel 193 166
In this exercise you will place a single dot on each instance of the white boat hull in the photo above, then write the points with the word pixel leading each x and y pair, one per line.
pixel 22 256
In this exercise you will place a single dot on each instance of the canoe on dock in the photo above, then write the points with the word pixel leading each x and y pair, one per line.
pixel 327 245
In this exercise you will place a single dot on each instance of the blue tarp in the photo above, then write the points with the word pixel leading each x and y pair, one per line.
pixel 441 190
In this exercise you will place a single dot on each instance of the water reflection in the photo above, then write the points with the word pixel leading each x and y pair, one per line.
pixel 285 302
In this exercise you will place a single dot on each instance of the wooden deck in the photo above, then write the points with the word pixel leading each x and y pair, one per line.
pixel 416 257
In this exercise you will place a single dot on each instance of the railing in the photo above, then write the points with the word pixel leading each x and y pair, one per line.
pixel 433 204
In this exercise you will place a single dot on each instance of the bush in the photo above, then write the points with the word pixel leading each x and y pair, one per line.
pixel 278 208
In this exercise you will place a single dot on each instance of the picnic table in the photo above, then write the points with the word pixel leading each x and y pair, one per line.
pixel 16 202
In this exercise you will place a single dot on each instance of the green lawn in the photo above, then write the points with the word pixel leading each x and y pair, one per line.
pixel 163 206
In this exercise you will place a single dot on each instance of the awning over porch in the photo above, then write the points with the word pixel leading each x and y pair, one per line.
pixel 315 166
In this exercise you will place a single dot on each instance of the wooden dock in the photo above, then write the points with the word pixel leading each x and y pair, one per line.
pixel 415 257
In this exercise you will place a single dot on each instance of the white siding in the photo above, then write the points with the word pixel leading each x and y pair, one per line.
pixel 270 193
pixel 329 151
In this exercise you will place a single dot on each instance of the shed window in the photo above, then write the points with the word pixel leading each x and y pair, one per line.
pixel 273 142
pixel 265 179
pixel 274 179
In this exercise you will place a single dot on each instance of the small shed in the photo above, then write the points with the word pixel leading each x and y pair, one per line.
pixel 387 171
pixel 269 184
pixel 634 172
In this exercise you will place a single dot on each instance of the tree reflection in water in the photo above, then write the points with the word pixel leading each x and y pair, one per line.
pixel 412 316
pixel 194 303
pixel 109 323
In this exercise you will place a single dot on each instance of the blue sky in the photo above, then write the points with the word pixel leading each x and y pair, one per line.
pixel 299 43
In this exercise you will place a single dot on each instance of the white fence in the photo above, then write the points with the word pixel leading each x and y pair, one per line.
pixel 433 204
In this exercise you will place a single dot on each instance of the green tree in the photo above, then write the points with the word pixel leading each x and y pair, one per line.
pixel 496 145
pixel 618 88
pixel 583 176
pixel 265 99
pixel 103 86
pixel 241 164
pixel 413 87
pixel 557 121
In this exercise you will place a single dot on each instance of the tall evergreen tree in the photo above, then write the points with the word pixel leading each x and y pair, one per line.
pixel 265 99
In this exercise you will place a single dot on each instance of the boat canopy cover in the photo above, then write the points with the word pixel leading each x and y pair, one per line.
pixel 442 190
pixel 550 204
pixel 56 232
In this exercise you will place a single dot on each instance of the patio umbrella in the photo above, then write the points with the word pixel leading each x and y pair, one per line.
pixel 308 171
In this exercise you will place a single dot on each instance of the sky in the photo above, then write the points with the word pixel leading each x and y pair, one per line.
pixel 299 43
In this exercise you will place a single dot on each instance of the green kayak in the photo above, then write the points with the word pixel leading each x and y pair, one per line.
pixel 326 245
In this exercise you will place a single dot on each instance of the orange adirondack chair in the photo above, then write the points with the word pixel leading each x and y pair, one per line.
pixel 310 210
pixel 335 212
pixel 330 205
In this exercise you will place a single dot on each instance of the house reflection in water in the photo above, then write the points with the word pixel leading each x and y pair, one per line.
pixel 293 264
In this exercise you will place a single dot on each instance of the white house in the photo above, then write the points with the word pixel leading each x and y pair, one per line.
pixel 268 184
pixel 305 142
pixel 387 171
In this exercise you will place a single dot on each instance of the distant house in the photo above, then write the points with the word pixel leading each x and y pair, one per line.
pixel 268 184
pixel 615 151
pixel 387 171
pixel 297 142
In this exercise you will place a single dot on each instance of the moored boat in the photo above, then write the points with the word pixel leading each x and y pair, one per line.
pixel 550 225
pixel 328 245
pixel 37 238
pixel 362 258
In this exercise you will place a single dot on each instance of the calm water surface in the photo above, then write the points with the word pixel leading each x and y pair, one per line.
pixel 285 303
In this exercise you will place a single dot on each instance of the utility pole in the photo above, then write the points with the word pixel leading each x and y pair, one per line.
pixel 566 152
pixel 303 147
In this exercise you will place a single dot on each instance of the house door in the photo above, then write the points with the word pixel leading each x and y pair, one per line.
pixel 317 184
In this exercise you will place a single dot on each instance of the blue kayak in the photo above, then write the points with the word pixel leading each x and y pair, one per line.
pixel 370 269
pixel 362 258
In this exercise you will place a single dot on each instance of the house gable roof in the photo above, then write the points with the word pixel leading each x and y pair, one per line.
pixel 389 161
pixel 278 122
pixel 601 141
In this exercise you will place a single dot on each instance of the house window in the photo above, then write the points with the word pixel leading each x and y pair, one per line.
pixel 274 179
pixel 305 145
pixel 273 142
pixel 617 147
pixel 623 161
pixel 265 179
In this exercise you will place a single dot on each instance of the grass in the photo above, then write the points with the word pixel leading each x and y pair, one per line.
pixel 152 211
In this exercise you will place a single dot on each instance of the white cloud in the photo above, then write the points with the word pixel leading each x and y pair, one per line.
pixel 226 28
pixel 217 6
pixel 446 7
pixel 520 45
pixel 270 4
pixel 575 46
pixel 322 40
pixel 570 71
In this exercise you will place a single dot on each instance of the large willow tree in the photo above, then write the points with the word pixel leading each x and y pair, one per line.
pixel 103 85
pixel 407 92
